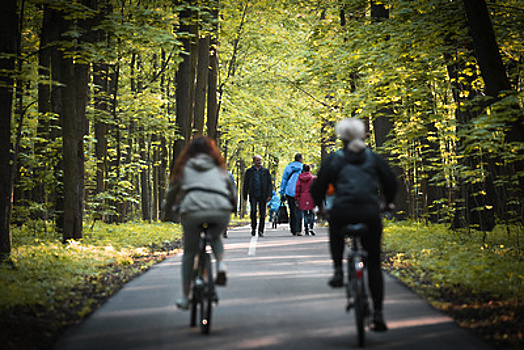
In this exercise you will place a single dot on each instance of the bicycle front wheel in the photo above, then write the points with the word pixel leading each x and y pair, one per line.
pixel 208 297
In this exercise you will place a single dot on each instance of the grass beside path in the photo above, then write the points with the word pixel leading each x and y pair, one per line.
pixel 47 286
pixel 475 277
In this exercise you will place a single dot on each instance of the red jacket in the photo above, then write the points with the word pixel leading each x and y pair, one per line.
pixel 302 195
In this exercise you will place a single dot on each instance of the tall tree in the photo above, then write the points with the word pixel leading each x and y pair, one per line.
pixel 184 83
pixel 486 48
pixel 201 84
pixel 75 78
pixel 8 39
pixel 496 82
pixel 212 101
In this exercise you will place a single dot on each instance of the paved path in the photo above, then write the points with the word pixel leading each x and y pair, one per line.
pixel 276 298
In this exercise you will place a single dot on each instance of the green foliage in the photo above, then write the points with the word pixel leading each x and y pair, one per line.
pixel 288 71
pixel 266 107
pixel 433 258
pixel 41 268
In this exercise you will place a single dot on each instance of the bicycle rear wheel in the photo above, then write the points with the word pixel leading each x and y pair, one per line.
pixel 360 311
pixel 208 295
pixel 195 300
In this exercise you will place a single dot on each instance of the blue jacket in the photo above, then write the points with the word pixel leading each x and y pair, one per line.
pixel 274 203
pixel 289 179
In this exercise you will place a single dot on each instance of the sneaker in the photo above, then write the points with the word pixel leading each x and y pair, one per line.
pixel 337 280
pixel 312 232
pixel 298 234
pixel 253 232
pixel 260 234
pixel 221 278
pixel 378 324
pixel 183 303
pixel 221 274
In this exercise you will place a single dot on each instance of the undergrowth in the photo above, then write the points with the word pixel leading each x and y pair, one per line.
pixel 476 278
pixel 41 268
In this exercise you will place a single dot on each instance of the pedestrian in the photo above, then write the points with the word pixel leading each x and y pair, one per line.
pixel 258 186
pixel 357 174
pixel 304 199
pixel 202 192
pixel 273 205
pixel 287 192
pixel 235 209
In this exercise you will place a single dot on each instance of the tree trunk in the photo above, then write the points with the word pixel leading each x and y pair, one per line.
pixel 184 85
pixel 468 195
pixel 102 110
pixel 56 188
pixel 103 81
pixel 75 78
pixel 145 190
pixel 496 81
pixel 72 225
pixel 486 48
pixel 44 107
pixel 201 85
pixel 10 33
pixel 212 102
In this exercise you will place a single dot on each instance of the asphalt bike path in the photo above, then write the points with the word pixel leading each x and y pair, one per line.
pixel 277 297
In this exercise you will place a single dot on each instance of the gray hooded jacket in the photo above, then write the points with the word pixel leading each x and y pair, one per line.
pixel 204 187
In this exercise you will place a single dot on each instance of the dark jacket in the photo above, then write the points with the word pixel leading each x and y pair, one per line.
pixel 345 208
pixel 265 183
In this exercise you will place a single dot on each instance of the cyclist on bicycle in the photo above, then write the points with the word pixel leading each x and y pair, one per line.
pixel 356 203
pixel 202 192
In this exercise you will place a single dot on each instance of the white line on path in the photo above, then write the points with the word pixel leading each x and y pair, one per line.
pixel 252 245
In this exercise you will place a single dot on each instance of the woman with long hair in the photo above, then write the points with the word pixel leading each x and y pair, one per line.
pixel 201 191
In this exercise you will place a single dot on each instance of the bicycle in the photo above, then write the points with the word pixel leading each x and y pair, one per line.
pixel 357 296
pixel 203 290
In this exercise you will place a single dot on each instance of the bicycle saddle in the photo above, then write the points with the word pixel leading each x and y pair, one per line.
pixel 354 229
pixel 207 225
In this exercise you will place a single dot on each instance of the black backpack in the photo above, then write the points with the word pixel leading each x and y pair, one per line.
pixel 357 184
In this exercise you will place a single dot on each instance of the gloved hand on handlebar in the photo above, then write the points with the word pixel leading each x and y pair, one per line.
pixel 387 209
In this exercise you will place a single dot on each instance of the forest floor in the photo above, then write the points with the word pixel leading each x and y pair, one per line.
pixel 500 323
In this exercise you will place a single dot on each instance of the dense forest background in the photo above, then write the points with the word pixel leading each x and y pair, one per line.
pixel 97 98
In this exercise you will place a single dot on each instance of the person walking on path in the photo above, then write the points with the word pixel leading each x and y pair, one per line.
pixel 201 190
pixel 304 199
pixel 258 186
pixel 235 209
pixel 273 205
pixel 357 175
pixel 287 191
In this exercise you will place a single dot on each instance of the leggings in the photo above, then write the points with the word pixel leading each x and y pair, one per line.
pixel 371 243
pixel 191 224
